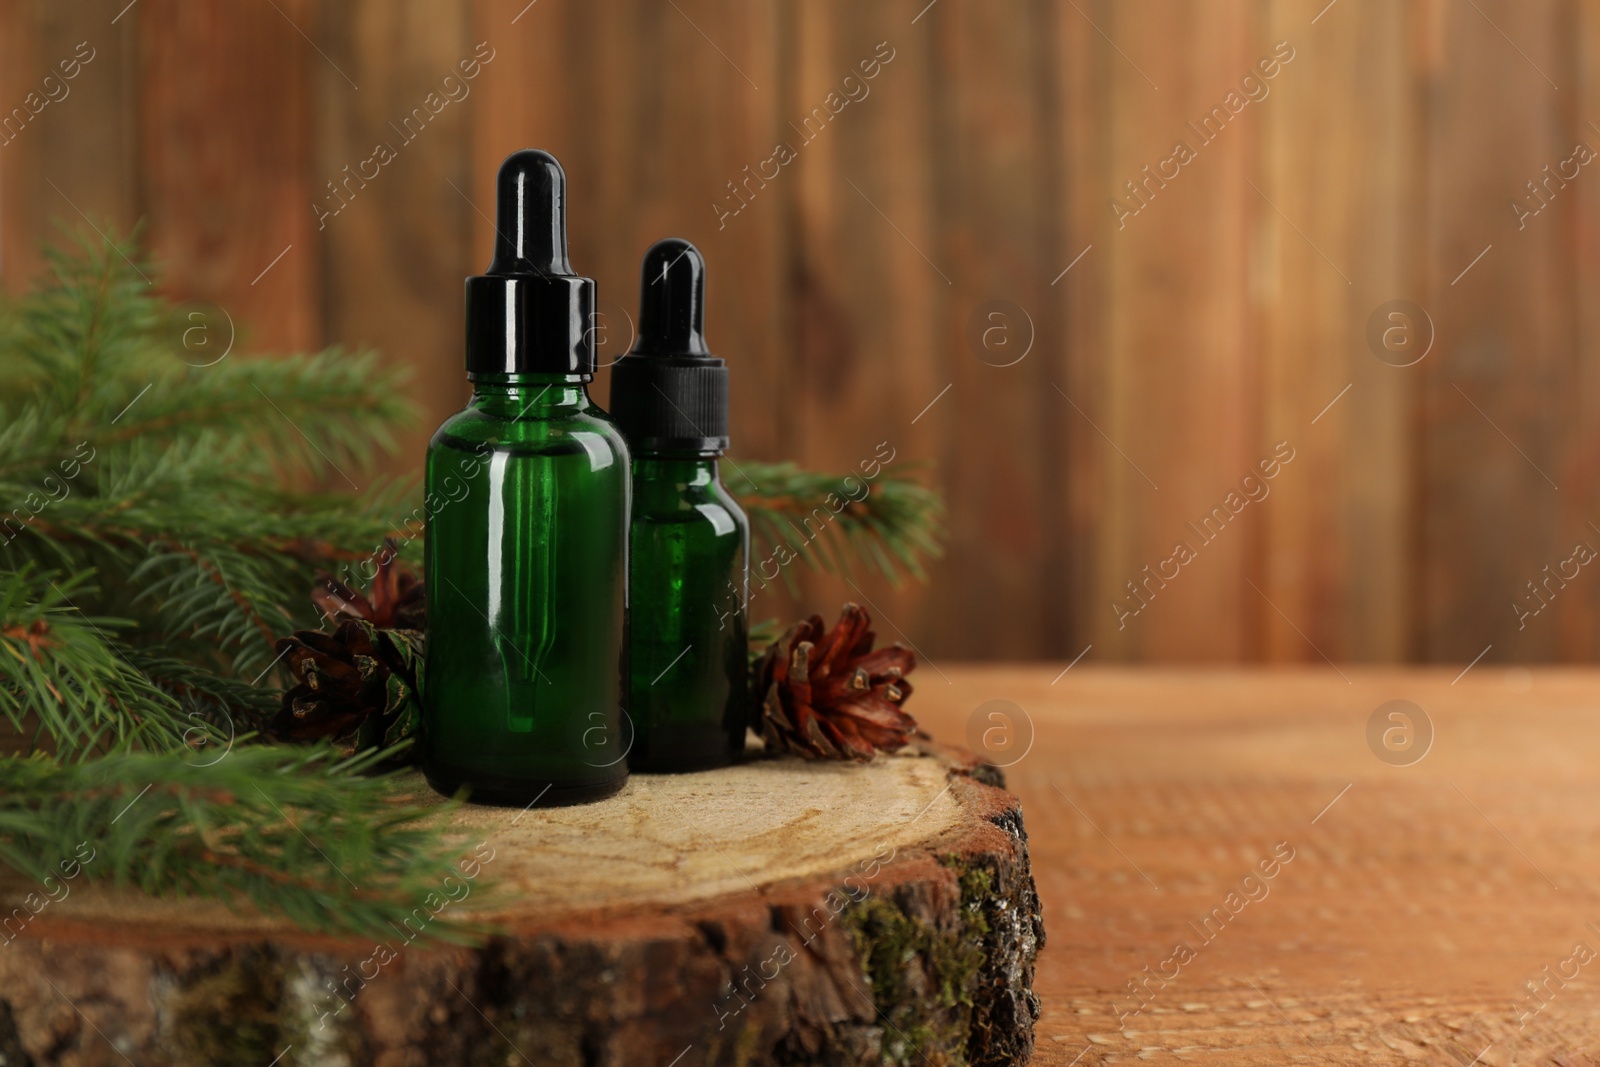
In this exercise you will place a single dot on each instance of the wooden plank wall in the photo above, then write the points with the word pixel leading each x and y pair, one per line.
pixel 851 293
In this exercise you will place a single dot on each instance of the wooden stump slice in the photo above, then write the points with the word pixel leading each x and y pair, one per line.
pixel 778 912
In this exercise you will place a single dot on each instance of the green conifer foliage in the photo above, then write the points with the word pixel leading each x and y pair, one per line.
pixel 156 539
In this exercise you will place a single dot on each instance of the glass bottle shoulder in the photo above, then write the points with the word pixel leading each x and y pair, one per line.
pixel 662 499
pixel 535 431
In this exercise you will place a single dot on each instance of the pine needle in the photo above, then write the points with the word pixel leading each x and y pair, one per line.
pixel 292 831
pixel 889 523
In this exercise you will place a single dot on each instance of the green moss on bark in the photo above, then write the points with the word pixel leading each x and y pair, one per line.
pixel 228 1012
pixel 248 1006
pixel 923 976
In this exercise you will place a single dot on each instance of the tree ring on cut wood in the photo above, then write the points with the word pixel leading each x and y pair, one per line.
pixel 777 912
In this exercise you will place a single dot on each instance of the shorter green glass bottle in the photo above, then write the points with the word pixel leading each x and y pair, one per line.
pixel 689 541
pixel 527 543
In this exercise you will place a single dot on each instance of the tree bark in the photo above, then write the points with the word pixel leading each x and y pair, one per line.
pixel 774 913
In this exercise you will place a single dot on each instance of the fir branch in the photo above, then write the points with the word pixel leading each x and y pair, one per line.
pixel 202 560
pixel 318 414
pixel 117 456
pixel 230 706
pixel 889 523
pixel 63 677
pixel 96 311
pixel 102 362
pixel 153 548
pixel 291 831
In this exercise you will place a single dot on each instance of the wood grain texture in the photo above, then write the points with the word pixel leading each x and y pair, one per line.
pixel 1497 421
pixel 1419 900
pixel 1175 419
pixel 870 361
pixel 1337 235
pixel 1080 296
pixel 998 321
pixel 394 246
pixel 74 162
pixel 225 130
pixel 1187 341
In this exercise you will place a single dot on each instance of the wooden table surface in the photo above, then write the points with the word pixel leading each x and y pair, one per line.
pixel 1411 902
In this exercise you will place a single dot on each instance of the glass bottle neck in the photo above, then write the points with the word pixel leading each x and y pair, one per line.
pixel 518 395
pixel 683 468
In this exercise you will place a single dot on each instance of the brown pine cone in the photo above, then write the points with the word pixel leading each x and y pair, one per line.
pixel 827 694
pixel 356 685
pixel 395 602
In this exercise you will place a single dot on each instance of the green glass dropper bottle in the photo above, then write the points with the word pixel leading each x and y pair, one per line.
pixel 527 550
pixel 690 541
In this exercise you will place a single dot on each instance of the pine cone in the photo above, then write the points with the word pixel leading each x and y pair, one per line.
pixel 827 694
pixel 357 685
pixel 396 601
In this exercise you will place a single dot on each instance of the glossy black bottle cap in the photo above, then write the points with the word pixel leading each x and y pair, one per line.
pixel 670 394
pixel 529 314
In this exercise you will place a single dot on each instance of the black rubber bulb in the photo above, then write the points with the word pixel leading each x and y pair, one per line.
pixel 529 313
pixel 531 216
pixel 672 295
pixel 669 393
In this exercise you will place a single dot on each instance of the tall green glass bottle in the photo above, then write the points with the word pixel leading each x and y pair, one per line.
pixel 527 545
pixel 690 542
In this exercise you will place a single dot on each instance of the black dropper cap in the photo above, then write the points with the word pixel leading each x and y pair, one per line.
pixel 529 314
pixel 670 394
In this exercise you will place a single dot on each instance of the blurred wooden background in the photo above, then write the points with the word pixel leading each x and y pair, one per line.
pixel 852 290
